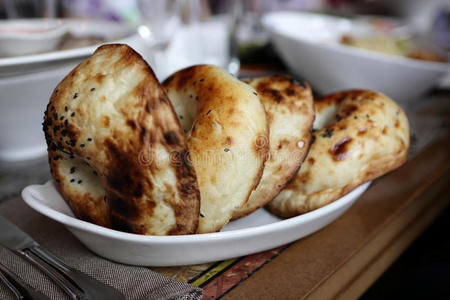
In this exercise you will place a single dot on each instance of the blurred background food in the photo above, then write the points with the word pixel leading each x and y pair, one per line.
pixel 393 45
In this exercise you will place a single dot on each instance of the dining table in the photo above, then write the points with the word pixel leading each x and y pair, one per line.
pixel 342 260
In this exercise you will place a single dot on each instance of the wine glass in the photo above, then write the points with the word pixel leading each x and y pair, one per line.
pixel 159 21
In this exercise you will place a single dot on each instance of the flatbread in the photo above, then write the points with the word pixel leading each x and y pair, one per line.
pixel 116 148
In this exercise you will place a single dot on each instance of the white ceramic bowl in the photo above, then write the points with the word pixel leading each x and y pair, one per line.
pixel 22 103
pixel 309 45
pixel 23 36
pixel 254 233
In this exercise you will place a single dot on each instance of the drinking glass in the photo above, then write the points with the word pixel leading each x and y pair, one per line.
pixel 160 20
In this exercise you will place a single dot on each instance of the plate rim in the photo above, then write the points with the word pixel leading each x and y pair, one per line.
pixel 32 200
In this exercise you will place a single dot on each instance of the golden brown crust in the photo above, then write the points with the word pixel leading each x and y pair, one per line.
pixel 290 112
pixel 116 135
pixel 224 120
pixel 360 136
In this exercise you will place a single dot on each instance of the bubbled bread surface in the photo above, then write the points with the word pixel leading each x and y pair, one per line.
pixel 227 131
pixel 360 135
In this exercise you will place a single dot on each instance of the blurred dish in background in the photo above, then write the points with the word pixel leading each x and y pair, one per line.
pixel 82 37
pixel 22 36
pixel 310 46
pixel 385 35
pixel 393 46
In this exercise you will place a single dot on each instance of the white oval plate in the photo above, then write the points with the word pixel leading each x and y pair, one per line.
pixel 257 232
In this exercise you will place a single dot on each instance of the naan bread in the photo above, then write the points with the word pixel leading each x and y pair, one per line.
pixel 116 148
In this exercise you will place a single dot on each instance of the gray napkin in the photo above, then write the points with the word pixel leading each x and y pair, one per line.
pixel 134 282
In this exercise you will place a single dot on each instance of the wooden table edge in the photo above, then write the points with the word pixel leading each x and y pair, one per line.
pixel 381 249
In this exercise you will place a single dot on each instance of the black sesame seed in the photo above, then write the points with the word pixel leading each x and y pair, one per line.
pixel 66 123
pixel 80 181
pixel 95 173
pixel 72 114
pixel 52 108
pixel 56 91
pixel 72 157
pixel 62 118
pixel 226 149
pixel 89 139
pixel 255 93
pixel 208 112
pixel 328 133
pixel 195 82
pixel 181 117
pixel 202 215
pixel 82 145
pixel 355 117
pixel 75 96
pixel 72 180
pixel 92 89
pixel 367 116
pixel 190 96
pixel 201 80
pixel 88 158
pixel 72 170
pixel 56 158
pixel 66 108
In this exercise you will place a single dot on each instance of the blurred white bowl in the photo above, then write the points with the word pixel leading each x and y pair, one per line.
pixel 23 36
pixel 310 46
pixel 26 82
pixel 23 101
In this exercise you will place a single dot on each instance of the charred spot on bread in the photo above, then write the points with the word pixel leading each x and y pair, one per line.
pixel 339 150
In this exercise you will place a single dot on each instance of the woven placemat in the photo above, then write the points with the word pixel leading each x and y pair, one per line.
pixel 134 282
